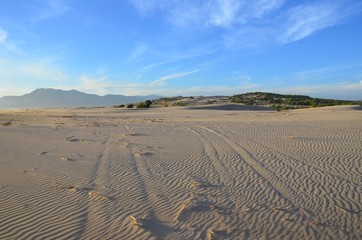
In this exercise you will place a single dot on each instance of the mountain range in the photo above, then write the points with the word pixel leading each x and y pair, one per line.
pixel 54 98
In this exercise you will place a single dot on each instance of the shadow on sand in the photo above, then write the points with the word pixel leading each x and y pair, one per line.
pixel 232 107
pixel 357 107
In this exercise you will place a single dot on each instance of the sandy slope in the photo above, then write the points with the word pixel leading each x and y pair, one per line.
pixel 181 174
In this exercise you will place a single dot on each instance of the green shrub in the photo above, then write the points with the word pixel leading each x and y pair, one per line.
pixel 145 104
pixel 119 106
pixel 141 105
pixel 148 103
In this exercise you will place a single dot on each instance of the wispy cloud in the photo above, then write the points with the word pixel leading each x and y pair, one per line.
pixel 174 57
pixel 224 13
pixel 8 89
pixel 238 77
pixel 164 79
pixel 220 13
pixel 136 53
pixel 302 21
pixel 94 85
pixel 5 43
pixel 321 82
pixel 317 75
pixel 38 72
pixel 157 64
pixel 249 24
pixel 147 6
pixel 341 90
pixel 47 69
pixel 49 9
pixel 102 85
pixel 263 8
pixel 43 71
pixel 249 38
pixel 3 36
pixel 241 83
pixel 219 90
pixel 195 90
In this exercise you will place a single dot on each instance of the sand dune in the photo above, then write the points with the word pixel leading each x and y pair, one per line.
pixel 176 173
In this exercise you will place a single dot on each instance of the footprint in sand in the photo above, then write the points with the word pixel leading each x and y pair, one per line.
pixel 191 206
pixel 67 159
pixel 97 197
pixel 7 123
pixel 201 183
pixel 73 139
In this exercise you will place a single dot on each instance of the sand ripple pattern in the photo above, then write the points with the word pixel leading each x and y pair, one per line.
pixel 198 175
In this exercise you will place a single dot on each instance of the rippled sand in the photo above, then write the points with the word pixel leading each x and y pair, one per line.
pixel 177 173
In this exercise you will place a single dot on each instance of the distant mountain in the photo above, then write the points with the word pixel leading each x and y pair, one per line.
pixel 53 98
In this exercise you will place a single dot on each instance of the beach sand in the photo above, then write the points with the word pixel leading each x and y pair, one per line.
pixel 178 173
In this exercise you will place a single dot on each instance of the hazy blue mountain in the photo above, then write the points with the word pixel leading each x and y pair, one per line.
pixel 53 98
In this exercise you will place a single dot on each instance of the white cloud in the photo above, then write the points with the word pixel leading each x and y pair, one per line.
pixel 249 38
pixel 238 77
pixel 164 79
pixel 135 54
pixel 6 43
pixel 18 76
pixel 157 64
pixel 318 75
pixel 260 8
pixel 3 36
pixel 321 82
pixel 250 24
pixel 101 86
pixel 48 9
pixel 146 6
pixel 220 90
pixel 43 71
pixel 220 13
pixel 345 91
pixel 9 89
pixel 94 85
pixel 183 56
pixel 303 21
pixel 32 68
pixel 224 12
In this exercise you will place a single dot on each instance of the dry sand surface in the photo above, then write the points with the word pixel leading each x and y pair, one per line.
pixel 177 173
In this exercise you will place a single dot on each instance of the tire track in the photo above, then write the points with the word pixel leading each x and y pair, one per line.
pixel 152 222
pixel 213 154
pixel 286 192
pixel 318 188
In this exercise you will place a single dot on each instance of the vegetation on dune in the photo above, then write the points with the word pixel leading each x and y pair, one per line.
pixel 284 102
pixel 119 106
pixel 171 101
pixel 277 101
pixel 145 104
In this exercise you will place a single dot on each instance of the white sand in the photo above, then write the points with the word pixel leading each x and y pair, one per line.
pixel 181 174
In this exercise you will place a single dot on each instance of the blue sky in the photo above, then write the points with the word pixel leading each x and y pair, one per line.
pixel 182 47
